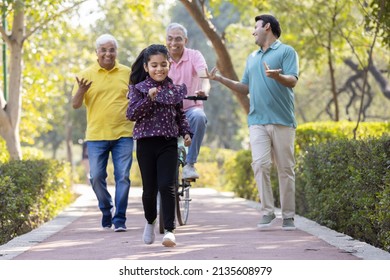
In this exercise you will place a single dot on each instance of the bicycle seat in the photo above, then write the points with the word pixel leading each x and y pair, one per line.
pixel 196 97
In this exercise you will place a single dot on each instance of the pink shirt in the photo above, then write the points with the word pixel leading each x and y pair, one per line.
pixel 185 71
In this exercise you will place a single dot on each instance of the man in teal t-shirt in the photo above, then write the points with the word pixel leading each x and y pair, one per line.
pixel 270 75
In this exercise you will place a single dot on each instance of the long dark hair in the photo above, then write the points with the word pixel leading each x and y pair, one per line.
pixel 138 73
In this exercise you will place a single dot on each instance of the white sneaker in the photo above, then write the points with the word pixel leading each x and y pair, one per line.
pixel 149 234
pixel 169 239
pixel 189 172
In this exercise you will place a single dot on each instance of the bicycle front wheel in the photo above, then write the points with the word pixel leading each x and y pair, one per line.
pixel 182 189
pixel 183 203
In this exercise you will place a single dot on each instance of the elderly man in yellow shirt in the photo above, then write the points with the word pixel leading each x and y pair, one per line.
pixel 102 87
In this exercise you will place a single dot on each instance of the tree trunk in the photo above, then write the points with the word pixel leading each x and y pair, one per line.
pixel 10 115
pixel 11 137
pixel 333 80
pixel 224 62
pixel 68 127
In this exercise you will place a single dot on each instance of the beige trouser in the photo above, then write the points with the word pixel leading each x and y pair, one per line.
pixel 268 143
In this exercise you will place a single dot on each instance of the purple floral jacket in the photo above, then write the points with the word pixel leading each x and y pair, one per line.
pixel 162 117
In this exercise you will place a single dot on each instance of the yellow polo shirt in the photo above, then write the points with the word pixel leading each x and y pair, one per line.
pixel 106 102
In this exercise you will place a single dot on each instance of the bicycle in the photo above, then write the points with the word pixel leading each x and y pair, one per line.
pixel 182 186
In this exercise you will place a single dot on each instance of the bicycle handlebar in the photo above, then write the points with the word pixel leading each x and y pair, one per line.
pixel 196 97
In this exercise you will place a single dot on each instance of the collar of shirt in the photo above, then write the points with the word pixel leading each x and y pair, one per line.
pixel 184 57
pixel 274 46
pixel 99 68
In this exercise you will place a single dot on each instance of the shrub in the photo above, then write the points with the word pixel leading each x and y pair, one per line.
pixel 32 192
pixel 315 133
pixel 347 187
pixel 211 168
pixel 4 155
pixel 239 175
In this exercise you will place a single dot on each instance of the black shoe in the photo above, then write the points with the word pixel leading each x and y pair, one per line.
pixel 107 221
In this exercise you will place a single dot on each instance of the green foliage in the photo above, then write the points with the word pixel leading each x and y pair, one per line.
pixel 377 16
pixel 28 152
pixel 46 93
pixel 314 133
pixel 4 155
pixel 383 210
pixel 347 187
pixel 211 167
pixel 31 193
pixel 239 175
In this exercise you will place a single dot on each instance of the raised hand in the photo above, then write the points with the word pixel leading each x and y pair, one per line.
pixel 84 85
pixel 212 75
pixel 271 73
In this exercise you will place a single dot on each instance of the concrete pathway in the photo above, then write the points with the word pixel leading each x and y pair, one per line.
pixel 220 228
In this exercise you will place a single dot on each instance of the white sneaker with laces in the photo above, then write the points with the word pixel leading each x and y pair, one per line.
pixel 149 233
pixel 189 172
pixel 169 239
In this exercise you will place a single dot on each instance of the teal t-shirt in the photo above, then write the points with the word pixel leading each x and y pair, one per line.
pixel 271 102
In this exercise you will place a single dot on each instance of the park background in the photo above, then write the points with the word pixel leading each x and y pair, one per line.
pixel 342 101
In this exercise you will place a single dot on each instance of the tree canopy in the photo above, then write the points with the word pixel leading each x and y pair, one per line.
pixel 47 43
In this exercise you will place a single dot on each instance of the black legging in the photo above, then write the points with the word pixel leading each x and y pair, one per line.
pixel 157 160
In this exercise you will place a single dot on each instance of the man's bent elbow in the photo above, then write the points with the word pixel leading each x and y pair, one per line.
pixel 244 89
pixel 76 105
pixel 293 82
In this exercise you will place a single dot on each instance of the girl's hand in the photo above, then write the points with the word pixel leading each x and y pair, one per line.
pixel 187 140
pixel 152 93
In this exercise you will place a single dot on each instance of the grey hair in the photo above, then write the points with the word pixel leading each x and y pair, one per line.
pixel 175 25
pixel 105 38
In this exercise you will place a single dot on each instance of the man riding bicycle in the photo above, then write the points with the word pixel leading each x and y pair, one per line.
pixel 188 66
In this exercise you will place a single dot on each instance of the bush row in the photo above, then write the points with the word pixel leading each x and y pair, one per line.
pixel 345 185
pixel 31 193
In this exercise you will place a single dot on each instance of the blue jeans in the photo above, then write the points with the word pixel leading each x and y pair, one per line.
pixel 198 123
pixel 122 157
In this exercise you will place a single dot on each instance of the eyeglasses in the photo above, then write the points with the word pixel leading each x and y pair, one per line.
pixel 175 39
pixel 104 50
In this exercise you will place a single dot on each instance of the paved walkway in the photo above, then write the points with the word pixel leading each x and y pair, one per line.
pixel 220 227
